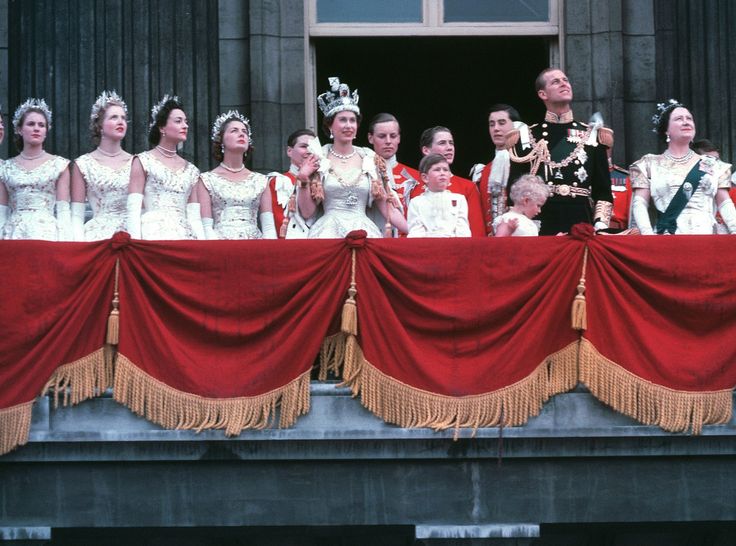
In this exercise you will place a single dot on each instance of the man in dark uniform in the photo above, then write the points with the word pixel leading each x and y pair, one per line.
pixel 570 156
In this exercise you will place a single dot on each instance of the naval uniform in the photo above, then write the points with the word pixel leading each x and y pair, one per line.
pixel 569 157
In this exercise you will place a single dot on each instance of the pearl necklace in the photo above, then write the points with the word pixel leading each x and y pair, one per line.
pixel 29 158
pixel 682 159
pixel 109 154
pixel 341 156
pixel 165 151
pixel 232 170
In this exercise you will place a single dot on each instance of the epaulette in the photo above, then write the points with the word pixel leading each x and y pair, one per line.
pixel 512 138
pixel 605 136
pixel 620 169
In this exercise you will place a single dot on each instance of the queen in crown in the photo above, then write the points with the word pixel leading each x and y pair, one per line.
pixel 163 182
pixel 344 180
pixel 34 185
pixel 235 202
pixel 102 175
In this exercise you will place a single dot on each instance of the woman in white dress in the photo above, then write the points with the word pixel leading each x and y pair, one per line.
pixel 233 199
pixel 34 183
pixel 4 204
pixel 345 180
pixel 102 176
pixel 686 189
pixel 163 182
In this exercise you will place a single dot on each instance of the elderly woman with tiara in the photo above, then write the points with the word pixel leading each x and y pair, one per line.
pixel 347 181
pixel 35 183
pixel 163 182
pixel 102 175
pixel 686 189
pixel 233 199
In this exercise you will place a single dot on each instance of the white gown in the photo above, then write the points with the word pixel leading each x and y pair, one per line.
pixel 165 200
pixel 346 201
pixel 235 205
pixel 663 178
pixel 526 227
pixel 107 192
pixel 31 199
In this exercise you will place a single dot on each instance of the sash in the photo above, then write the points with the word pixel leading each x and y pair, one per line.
pixel 667 222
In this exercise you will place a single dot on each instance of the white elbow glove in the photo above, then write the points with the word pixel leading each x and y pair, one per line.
pixel 78 210
pixel 195 220
pixel 640 212
pixel 63 221
pixel 728 213
pixel 133 220
pixel 209 230
pixel 3 219
pixel 268 227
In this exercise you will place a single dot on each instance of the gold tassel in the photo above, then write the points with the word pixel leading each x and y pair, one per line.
pixel 113 321
pixel 349 324
pixel 579 306
pixel 174 409
pixel 15 426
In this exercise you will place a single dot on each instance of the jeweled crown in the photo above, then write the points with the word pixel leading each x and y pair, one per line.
pixel 105 98
pixel 662 109
pixel 38 104
pixel 227 116
pixel 157 107
pixel 338 99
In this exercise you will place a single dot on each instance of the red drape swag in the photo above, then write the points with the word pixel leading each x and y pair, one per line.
pixel 55 299
pixel 661 312
pixel 464 318
pixel 222 320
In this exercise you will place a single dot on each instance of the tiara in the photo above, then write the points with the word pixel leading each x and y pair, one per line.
pixel 105 98
pixel 36 104
pixel 338 99
pixel 227 116
pixel 157 107
pixel 662 109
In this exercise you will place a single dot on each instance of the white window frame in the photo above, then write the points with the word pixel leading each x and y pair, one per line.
pixel 432 25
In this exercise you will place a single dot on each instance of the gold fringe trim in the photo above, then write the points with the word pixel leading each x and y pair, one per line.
pixel 579 310
pixel 648 403
pixel 331 355
pixel 15 425
pixel 400 404
pixel 174 409
pixel 83 379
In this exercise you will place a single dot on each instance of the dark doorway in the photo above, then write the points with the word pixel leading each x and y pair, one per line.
pixel 448 81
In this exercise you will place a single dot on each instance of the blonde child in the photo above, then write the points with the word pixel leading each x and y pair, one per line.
pixel 528 194
pixel 437 212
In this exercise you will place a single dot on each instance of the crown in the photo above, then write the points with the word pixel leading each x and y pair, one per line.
pixel 227 116
pixel 37 104
pixel 662 109
pixel 105 98
pixel 338 99
pixel 160 104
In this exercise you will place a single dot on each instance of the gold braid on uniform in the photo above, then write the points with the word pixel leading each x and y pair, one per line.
pixel 603 211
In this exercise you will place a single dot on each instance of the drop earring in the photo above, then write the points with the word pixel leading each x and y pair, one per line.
pixel 331 135
pixel 668 138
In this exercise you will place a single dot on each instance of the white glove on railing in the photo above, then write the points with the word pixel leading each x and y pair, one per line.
pixel 3 218
pixel 195 220
pixel 640 212
pixel 78 210
pixel 728 213
pixel 268 227
pixel 133 220
pixel 63 221
pixel 209 230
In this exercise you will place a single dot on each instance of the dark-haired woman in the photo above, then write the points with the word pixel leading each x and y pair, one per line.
pixel 102 175
pixel 687 189
pixel 236 202
pixel 163 182
pixel 34 183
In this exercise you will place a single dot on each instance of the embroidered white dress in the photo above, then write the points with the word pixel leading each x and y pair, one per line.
pixel 438 214
pixel 235 205
pixel 526 227
pixel 107 192
pixel 347 197
pixel 663 178
pixel 31 199
pixel 165 199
